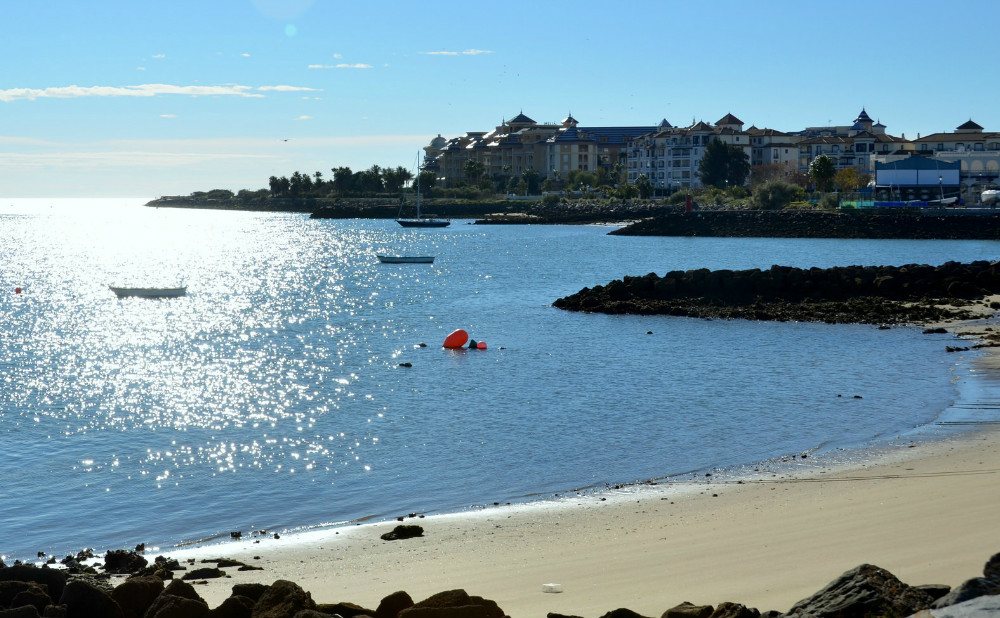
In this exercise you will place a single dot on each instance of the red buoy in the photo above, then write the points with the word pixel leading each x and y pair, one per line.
pixel 456 339
pixel 481 345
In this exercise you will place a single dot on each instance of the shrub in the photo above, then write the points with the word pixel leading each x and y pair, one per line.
pixel 775 195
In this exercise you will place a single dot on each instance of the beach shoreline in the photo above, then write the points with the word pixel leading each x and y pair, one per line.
pixel 923 510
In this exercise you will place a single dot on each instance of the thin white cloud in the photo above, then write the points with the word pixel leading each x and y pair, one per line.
pixel 338 56
pixel 287 89
pixel 342 65
pixel 245 55
pixel 168 115
pixel 304 118
pixel 468 52
pixel 159 56
pixel 142 90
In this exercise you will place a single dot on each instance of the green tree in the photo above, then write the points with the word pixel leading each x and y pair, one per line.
pixel 850 179
pixel 474 170
pixel 627 191
pixel 396 179
pixel 343 180
pixel 723 164
pixel 821 172
pixel 644 186
pixel 531 179
pixel 278 186
pixel 370 180
pixel 427 181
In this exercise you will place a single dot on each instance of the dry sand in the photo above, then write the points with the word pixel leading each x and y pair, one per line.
pixel 928 514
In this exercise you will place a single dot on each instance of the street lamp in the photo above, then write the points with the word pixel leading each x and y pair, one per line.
pixel 941 186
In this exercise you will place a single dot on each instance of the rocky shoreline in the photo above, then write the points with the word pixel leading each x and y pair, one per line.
pixel 865 591
pixel 883 295
pixel 909 224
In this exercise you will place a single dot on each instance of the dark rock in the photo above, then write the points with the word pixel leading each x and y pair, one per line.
pixel 688 610
pixel 122 562
pixel 345 610
pixel 34 596
pixel 727 609
pixel 54 580
pixel 282 599
pixel 771 613
pixel 991 570
pixel 252 591
pixel 864 591
pixel 10 590
pixel 173 606
pixel 311 613
pixel 179 588
pixel 204 573
pixel 403 532
pixel 969 589
pixel 83 600
pixel 882 295
pixel 622 612
pixel 56 611
pixel 935 590
pixel 390 606
pixel 555 615
pixel 136 594
pixel 233 607
pixel 453 604
pixel 25 611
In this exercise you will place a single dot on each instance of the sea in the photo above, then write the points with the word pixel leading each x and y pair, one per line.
pixel 301 384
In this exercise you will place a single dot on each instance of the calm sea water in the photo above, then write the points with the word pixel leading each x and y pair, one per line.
pixel 273 396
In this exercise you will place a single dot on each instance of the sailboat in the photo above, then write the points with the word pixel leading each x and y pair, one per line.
pixel 419 221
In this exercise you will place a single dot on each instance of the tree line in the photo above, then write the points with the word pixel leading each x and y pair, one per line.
pixel 345 182
pixel 723 168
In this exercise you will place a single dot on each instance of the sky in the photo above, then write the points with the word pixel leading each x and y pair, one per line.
pixel 143 98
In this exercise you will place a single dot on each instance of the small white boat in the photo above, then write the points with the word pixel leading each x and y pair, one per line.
pixel 406 259
pixel 149 292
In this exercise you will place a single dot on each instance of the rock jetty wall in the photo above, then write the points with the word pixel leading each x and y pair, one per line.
pixel 851 294
pixel 954 225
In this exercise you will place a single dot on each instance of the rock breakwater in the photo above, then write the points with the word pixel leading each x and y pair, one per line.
pixel 955 225
pixel 914 293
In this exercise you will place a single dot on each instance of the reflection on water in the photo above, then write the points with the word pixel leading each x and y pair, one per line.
pixel 273 394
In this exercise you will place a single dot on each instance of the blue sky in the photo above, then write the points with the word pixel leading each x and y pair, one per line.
pixel 154 97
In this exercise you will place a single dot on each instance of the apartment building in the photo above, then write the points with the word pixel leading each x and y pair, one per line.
pixel 855 146
pixel 670 156
pixel 521 144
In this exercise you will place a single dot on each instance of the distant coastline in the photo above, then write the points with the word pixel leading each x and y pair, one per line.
pixel 643 217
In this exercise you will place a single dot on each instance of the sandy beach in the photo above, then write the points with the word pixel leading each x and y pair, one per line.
pixel 928 514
